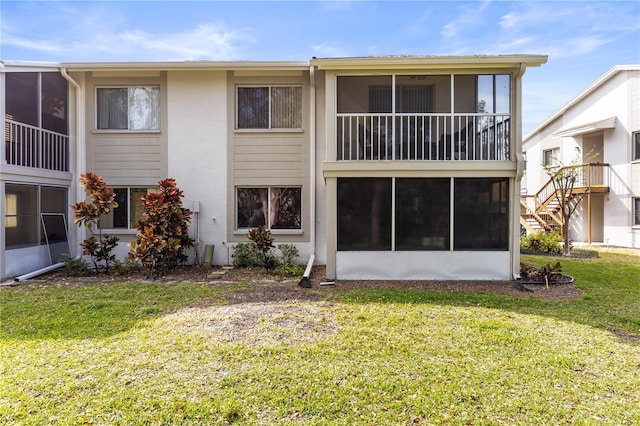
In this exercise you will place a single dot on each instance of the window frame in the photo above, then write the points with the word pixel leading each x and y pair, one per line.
pixel 269 127
pixel 555 157
pixel 635 141
pixel 97 129
pixel 243 230
pixel 636 212
pixel 130 215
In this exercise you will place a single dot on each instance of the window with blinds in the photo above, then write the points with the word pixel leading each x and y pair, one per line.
pixel 128 108
pixel 269 107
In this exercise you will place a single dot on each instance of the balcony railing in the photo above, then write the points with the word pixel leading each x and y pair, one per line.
pixel 31 146
pixel 423 137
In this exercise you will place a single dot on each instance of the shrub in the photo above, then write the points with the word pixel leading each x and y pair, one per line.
pixel 245 255
pixel 101 201
pixel 289 252
pixel 163 236
pixel 292 269
pixel 74 267
pixel 263 241
pixel 542 241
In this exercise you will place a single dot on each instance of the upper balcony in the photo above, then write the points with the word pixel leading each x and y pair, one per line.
pixel 36 121
pixel 424 118
pixel 31 146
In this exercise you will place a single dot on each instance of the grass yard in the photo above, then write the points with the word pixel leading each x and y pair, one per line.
pixel 133 353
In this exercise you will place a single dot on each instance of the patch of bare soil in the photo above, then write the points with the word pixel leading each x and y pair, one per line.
pixel 278 288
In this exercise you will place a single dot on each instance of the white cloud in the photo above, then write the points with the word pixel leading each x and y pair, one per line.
pixel 327 50
pixel 468 18
pixel 206 41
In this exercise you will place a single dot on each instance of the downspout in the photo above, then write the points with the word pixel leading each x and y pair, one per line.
pixel 305 281
pixel 80 166
pixel 80 148
pixel 515 240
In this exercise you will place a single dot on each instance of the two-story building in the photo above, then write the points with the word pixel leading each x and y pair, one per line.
pixel 379 168
pixel 597 134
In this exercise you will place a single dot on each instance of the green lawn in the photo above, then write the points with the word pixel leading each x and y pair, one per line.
pixel 175 354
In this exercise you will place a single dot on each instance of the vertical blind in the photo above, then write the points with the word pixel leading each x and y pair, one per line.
pixel 133 108
pixel 274 107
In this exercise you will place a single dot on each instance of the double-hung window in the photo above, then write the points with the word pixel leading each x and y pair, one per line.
pixel 272 207
pixel 128 108
pixel 269 107
pixel 129 211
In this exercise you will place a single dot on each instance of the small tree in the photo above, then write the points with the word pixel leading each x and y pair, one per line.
pixel 88 213
pixel 163 236
pixel 263 241
pixel 564 180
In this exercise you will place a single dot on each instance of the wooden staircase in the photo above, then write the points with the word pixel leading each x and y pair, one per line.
pixel 541 211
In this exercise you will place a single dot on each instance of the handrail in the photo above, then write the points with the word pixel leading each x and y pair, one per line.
pixel 588 175
pixel 32 146
pixel 423 136
pixel 585 180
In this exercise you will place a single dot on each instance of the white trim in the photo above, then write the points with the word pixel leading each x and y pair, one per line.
pixel 608 123
pixel 587 91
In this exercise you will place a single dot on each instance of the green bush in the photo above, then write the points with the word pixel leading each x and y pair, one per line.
pixel 245 255
pixel 74 267
pixel 289 252
pixel 542 241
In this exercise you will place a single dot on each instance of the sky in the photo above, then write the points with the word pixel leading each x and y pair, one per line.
pixel 583 39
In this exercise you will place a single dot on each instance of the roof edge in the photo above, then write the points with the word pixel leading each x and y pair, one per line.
pixel 399 62
pixel 582 94
pixel 186 65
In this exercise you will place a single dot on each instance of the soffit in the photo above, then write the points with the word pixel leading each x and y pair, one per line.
pixel 608 123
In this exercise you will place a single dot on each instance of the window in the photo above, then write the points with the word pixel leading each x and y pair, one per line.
pixel 422 214
pixel 481 214
pixel 269 107
pixel 550 157
pixel 10 210
pixel 636 211
pixel 128 108
pixel 364 214
pixel 129 211
pixel 636 146
pixel 281 206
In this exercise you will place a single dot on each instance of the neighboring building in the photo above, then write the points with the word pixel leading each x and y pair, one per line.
pixel 381 168
pixel 599 130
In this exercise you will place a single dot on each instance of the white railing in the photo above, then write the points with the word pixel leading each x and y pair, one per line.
pixel 423 137
pixel 31 146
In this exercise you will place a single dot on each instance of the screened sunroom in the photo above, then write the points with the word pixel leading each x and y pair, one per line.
pixel 423 117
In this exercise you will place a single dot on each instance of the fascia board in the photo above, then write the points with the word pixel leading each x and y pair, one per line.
pixel 608 123
pixel 28 66
pixel 187 65
pixel 431 62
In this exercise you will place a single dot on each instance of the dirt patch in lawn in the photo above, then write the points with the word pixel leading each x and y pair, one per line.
pixel 277 288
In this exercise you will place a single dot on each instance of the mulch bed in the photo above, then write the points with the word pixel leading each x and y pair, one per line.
pixel 279 288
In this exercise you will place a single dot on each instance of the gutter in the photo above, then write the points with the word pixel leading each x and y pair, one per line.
pixel 305 281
